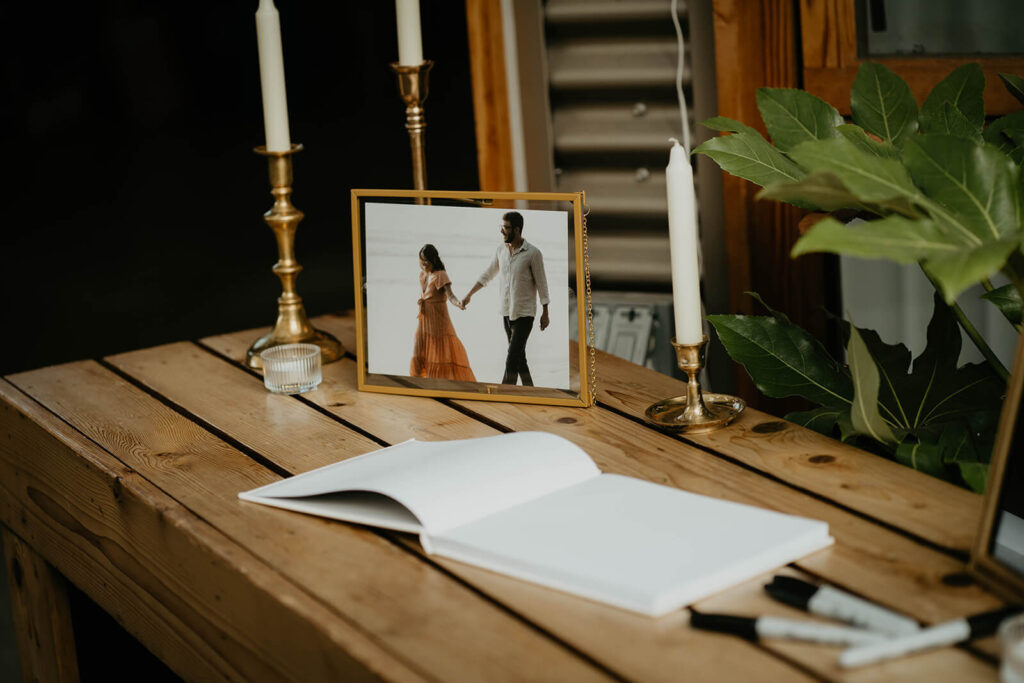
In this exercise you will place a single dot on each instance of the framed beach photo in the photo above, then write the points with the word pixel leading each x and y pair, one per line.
pixel 476 295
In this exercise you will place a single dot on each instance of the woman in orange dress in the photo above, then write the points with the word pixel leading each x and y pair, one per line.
pixel 437 351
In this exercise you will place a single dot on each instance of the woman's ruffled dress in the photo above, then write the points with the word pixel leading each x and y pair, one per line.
pixel 437 351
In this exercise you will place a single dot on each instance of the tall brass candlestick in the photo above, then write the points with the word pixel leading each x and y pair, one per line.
pixel 413 82
pixel 292 326
pixel 696 412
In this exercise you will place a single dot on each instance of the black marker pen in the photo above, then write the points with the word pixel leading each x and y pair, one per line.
pixel 836 604
pixel 777 627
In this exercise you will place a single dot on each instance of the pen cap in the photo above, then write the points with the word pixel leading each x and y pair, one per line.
pixel 791 591
pixel 986 624
pixel 725 623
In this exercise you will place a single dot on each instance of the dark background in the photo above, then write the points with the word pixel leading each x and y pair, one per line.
pixel 134 206
pixel 132 211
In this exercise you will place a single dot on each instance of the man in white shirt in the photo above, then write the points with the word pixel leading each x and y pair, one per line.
pixel 522 279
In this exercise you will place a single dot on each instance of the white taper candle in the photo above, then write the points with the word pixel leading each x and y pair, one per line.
pixel 682 232
pixel 410 40
pixel 275 101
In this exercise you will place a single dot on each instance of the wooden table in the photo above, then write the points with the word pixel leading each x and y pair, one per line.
pixel 122 474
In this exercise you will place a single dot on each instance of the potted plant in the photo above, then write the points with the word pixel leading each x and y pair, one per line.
pixel 935 187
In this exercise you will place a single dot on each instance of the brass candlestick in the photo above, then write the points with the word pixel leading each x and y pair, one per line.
pixel 413 84
pixel 292 326
pixel 696 412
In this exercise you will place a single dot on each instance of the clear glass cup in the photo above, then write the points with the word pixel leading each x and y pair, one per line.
pixel 1011 636
pixel 291 368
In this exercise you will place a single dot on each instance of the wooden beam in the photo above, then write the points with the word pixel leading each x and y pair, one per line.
pixel 756 45
pixel 42 618
pixel 830 60
pixel 490 95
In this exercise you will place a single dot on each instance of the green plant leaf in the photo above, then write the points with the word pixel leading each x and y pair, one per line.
pixel 994 134
pixel 764 304
pixel 893 362
pixel 1015 84
pixel 1007 299
pixel 956 272
pixel 846 429
pixel 821 420
pixel 748 155
pixel 937 390
pixel 1016 135
pixel 894 237
pixel 724 124
pixel 956 124
pixel 975 186
pixel 923 456
pixel 793 116
pixel 878 148
pixel 866 417
pixel 822 190
pixel 882 103
pixel 867 176
pixel 964 89
pixel 975 474
pixel 782 359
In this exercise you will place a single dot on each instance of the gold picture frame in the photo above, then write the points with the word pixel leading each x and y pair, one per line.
pixel 991 563
pixel 407 328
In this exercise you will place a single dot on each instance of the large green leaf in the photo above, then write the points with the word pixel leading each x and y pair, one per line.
pixel 975 186
pixel 937 390
pixel 956 451
pixel 894 237
pixel 864 412
pixel 924 456
pixel 1015 84
pixel 975 474
pixel 956 272
pixel 882 103
pixel 747 155
pixel 878 148
pixel 956 124
pixel 995 134
pixel 821 420
pixel 822 190
pixel 964 89
pixel 869 177
pixel 1008 300
pixel 893 363
pixel 794 116
pixel 782 359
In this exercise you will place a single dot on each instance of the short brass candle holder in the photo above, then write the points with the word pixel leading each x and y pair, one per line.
pixel 413 82
pixel 292 326
pixel 696 412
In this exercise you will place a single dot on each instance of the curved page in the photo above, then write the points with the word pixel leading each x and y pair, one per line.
pixel 634 544
pixel 443 483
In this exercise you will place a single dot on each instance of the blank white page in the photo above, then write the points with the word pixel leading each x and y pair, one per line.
pixel 641 546
pixel 442 483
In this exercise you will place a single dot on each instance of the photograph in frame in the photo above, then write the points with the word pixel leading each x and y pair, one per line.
pixel 471 295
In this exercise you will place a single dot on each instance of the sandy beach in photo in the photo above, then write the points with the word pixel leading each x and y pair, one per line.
pixel 466 239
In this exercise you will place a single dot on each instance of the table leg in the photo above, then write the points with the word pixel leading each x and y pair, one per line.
pixel 42 619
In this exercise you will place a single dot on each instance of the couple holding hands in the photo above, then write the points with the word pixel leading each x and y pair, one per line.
pixel 437 351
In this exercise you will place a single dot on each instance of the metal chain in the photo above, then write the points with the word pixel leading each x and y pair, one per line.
pixel 590 311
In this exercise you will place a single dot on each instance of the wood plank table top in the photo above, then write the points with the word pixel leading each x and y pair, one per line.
pixel 122 474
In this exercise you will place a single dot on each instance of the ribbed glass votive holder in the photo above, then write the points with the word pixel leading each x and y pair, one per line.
pixel 291 368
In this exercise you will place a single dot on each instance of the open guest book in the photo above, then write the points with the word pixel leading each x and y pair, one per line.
pixel 534 506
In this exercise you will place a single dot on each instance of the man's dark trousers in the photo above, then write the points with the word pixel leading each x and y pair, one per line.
pixel 517 331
